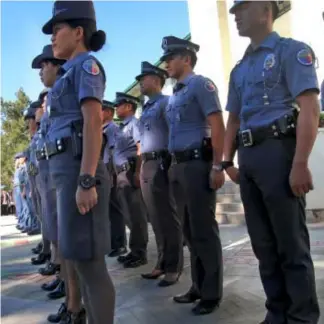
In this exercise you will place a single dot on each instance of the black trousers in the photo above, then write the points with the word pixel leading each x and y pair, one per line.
pixel 165 221
pixel 117 221
pixel 197 202
pixel 277 226
pixel 131 200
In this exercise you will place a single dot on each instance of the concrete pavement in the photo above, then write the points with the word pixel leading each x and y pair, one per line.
pixel 140 301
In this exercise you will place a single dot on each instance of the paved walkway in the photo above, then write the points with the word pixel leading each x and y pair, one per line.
pixel 140 301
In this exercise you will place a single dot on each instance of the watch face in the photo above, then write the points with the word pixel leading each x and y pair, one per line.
pixel 87 182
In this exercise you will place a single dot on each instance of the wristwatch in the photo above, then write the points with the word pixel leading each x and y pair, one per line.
pixel 86 181
pixel 227 164
pixel 217 167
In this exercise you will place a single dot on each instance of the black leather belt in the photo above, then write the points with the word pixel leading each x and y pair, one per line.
pixel 130 164
pixel 185 156
pixel 154 155
pixel 124 167
pixel 57 147
pixel 283 127
pixel 40 154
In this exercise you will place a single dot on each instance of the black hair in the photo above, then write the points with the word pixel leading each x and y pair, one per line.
pixel 94 39
pixel 192 55
pixel 134 107
pixel 42 95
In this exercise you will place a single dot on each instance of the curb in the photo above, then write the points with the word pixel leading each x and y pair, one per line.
pixel 18 242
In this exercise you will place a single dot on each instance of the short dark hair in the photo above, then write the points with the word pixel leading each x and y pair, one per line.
pixel 94 39
pixel 193 57
pixel 56 62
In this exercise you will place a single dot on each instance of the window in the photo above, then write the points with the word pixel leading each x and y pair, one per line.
pixel 284 6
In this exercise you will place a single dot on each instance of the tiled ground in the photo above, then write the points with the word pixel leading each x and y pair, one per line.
pixel 140 301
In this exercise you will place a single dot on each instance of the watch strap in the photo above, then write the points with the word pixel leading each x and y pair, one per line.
pixel 227 164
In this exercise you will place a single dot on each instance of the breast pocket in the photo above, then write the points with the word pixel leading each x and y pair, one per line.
pixel 184 111
pixel 59 89
pixel 269 83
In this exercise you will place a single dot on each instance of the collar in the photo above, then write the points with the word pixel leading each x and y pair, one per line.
pixel 105 125
pixel 125 121
pixel 269 42
pixel 187 79
pixel 77 59
pixel 183 83
pixel 153 99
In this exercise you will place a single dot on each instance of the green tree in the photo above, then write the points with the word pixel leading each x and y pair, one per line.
pixel 14 136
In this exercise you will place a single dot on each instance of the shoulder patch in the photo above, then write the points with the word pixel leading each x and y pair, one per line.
pixel 210 86
pixel 305 57
pixel 91 67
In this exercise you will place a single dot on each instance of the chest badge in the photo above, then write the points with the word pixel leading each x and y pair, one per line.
pixel 269 62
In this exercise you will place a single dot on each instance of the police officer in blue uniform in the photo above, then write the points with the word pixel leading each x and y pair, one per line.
pixel 196 135
pixel 127 164
pixel 117 221
pixel 31 192
pixel 22 178
pixel 48 67
pixel 16 191
pixel 156 192
pixel 73 146
pixel 274 80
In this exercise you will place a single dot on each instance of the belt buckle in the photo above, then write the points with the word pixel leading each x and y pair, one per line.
pixel 247 138
pixel 173 159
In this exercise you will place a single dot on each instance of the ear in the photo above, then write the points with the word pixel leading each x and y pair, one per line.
pixel 129 107
pixel 79 32
pixel 187 59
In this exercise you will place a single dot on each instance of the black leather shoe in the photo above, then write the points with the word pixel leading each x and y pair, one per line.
pixel 155 274
pixel 58 292
pixel 50 269
pixel 205 307
pixel 135 262
pixel 117 252
pixel 169 280
pixel 38 248
pixel 124 258
pixel 78 318
pixel 41 259
pixel 56 318
pixel 35 231
pixel 188 298
pixel 50 286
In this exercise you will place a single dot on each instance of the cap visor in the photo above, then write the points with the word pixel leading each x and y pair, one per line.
pixel 48 27
pixel 139 77
pixel 36 64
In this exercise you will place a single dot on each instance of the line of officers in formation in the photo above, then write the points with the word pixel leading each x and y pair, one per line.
pixel 166 166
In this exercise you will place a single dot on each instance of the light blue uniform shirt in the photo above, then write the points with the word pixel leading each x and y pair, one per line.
pixel 109 130
pixel 154 133
pixel 126 138
pixel 265 83
pixel 194 99
pixel 79 78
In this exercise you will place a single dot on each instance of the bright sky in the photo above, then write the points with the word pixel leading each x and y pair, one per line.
pixel 134 32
